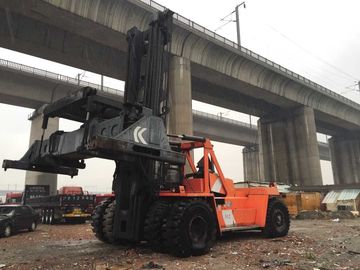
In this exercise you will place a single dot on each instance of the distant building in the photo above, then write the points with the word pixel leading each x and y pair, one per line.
pixel 346 199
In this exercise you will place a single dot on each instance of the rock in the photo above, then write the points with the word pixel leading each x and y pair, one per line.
pixel 152 265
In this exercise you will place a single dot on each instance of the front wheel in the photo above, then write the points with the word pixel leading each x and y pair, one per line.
pixel 7 231
pixel 154 222
pixel 190 228
pixel 98 218
pixel 277 219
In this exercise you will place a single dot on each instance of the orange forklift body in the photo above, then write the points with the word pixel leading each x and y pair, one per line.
pixel 235 208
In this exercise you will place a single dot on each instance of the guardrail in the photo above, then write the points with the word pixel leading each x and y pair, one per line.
pixel 56 76
pixel 224 119
pixel 253 55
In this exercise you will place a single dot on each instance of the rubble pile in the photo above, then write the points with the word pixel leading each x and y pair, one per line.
pixel 311 244
pixel 325 215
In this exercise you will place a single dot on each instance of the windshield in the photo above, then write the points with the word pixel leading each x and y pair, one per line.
pixel 6 210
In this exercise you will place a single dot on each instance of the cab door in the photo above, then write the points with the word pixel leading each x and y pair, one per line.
pixel 19 219
pixel 27 217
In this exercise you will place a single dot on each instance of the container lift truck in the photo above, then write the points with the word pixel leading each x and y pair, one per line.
pixel 154 198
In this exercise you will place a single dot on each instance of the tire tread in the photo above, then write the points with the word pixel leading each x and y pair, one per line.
pixel 269 230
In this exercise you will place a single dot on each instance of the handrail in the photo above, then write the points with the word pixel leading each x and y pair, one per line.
pixel 56 76
pixel 251 54
pixel 224 119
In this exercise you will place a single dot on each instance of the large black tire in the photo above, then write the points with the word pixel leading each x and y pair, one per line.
pixel 98 217
pixel 108 223
pixel 277 219
pixel 154 222
pixel 190 229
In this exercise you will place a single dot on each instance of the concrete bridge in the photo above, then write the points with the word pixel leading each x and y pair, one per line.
pixel 207 67
pixel 30 87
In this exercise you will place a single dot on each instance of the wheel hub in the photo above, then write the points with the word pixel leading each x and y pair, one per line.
pixel 279 218
pixel 7 231
pixel 198 229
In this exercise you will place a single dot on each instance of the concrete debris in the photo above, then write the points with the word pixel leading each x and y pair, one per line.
pixel 152 265
pixel 274 263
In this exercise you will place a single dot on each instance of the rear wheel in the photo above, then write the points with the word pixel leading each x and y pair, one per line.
pixel 7 230
pixel 43 217
pixel 47 216
pixel 190 229
pixel 98 217
pixel 277 219
pixel 51 217
pixel 155 219
pixel 33 226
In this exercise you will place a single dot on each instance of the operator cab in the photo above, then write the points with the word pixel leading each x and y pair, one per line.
pixel 199 174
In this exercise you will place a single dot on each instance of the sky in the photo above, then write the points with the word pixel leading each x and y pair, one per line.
pixel 317 39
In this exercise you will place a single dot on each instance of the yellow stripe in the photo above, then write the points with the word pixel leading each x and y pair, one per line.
pixel 76 215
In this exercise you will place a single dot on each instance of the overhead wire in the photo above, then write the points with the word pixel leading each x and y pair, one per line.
pixel 223 25
pixel 309 71
pixel 312 54
pixel 322 74
pixel 226 21
pixel 350 89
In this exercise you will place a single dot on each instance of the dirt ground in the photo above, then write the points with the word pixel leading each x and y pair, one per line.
pixel 311 244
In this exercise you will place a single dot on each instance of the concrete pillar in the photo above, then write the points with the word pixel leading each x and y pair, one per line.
pixel 39 178
pixel 345 158
pixel 180 119
pixel 253 167
pixel 289 147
